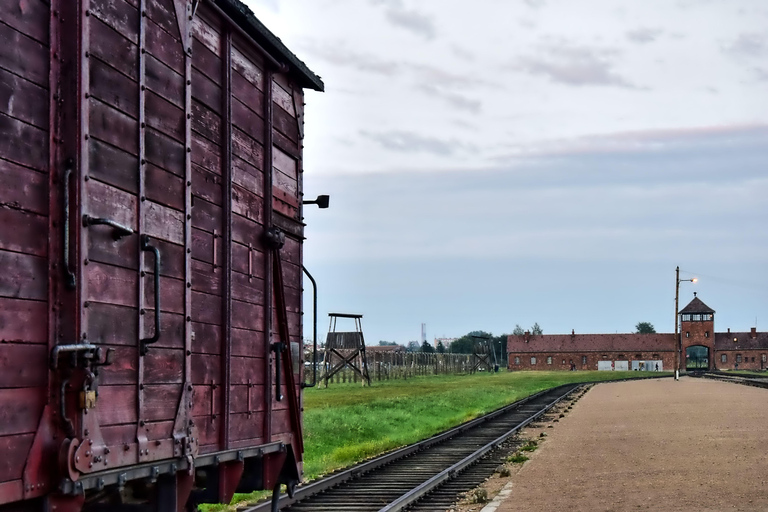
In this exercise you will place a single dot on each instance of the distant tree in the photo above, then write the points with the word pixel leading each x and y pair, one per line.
pixel 413 346
pixel 427 348
pixel 440 348
pixel 519 331
pixel 383 343
pixel 536 329
pixel 645 328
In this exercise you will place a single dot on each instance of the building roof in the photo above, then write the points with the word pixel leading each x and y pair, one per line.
pixel 744 341
pixel 696 306
pixel 629 343
pixel 246 20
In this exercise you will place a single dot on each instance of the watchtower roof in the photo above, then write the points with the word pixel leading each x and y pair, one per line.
pixel 697 306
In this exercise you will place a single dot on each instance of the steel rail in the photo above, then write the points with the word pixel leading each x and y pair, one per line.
pixel 745 380
pixel 305 491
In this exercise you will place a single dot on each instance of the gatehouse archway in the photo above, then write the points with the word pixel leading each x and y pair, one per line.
pixel 696 358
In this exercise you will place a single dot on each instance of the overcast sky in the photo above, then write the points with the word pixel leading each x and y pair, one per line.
pixel 503 162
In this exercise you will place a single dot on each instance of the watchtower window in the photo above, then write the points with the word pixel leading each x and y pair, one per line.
pixel 687 334
pixel 706 334
pixel 723 358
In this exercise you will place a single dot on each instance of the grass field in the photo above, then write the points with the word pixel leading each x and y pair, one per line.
pixel 348 423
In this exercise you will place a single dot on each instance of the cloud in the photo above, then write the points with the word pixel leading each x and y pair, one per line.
pixel 397 14
pixel 643 35
pixel 340 54
pixel 409 142
pixel 535 4
pixel 456 100
pixel 749 45
pixel 576 66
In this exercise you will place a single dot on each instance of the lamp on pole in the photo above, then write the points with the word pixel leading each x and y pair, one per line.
pixel 678 339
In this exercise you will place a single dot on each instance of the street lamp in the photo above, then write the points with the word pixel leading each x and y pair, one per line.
pixel 678 339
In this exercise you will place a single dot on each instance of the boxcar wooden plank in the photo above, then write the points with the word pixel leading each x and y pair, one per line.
pixel 247 289
pixel 247 204
pixel 206 338
pixel 164 366
pixel 23 276
pixel 207 216
pixel 114 88
pixel 102 247
pixel 206 308
pixel 203 247
pixel 112 203
pixel 244 426
pixel 23 365
pixel 206 154
pixel 247 176
pixel 247 94
pixel 247 398
pixel 161 401
pixel 206 91
pixel 248 69
pixel 172 259
pixel 163 13
pixel 119 435
pixel 209 434
pixel 113 166
pixel 23 188
pixel 111 324
pixel 283 98
pixel 206 122
pixel 124 368
pixel 206 279
pixel 245 147
pixel 206 368
pixel 113 126
pixel 23 143
pixel 23 99
pixel 14 450
pixel 247 316
pixel 206 34
pixel 246 231
pixel 165 152
pixel 206 185
pixel 286 184
pixel 20 409
pixel 110 46
pixel 118 14
pixel 164 188
pixel 163 222
pixel 163 432
pixel 247 121
pixel 171 294
pixel 171 329
pixel 117 405
pixel 286 124
pixel 23 321
pixel 240 256
pixel 248 343
pixel 286 144
pixel 23 55
pixel 30 17
pixel 164 48
pixel 29 233
pixel 201 405
pixel 165 116
pixel 110 284
pixel 206 61
pixel 165 81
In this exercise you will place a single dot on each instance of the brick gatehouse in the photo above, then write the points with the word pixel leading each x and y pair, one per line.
pixel 701 348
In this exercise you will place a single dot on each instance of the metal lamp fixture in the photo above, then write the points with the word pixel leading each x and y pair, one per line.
pixel 321 201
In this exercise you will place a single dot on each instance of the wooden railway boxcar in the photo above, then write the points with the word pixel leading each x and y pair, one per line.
pixel 151 246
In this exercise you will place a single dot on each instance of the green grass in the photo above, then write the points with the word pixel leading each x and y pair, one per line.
pixel 517 458
pixel 347 423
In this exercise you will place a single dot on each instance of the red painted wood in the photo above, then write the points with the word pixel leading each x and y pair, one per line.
pixel 206 308
pixel 286 144
pixel 112 126
pixel 240 256
pixel 206 91
pixel 206 61
pixel 240 401
pixel 111 203
pixel 249 96
pixel 207 216
pixel 29 17
pixel 111 324
pixel 113 166
pixel 163 366
pixel 202 247
pixel 246 147
pixel 207 338
pixel 23 100
pixel 172 256
pixel 247 316
pixel 248 343
pixel 248 69
pixel 113 88
pixel 23 56
pixel 164 48
pixel 20 410
pixel 286 124
pixel 165 117
pixel 161 402
pixel 23 365
pixel 164 188
pixel 247 204
pixel 119 435
pixel 247 120
pixel 22 321
pixel 204 279
pixel 12 491
pixel 120 16
pixel 206 122
pixel 206 185
pixel 163 223
pixel 206 30
pixel 23 188
pixel 110 46
pixel 116 405
pixel 163 13
pixel 246 231
pixel 165 152
pixel 206 368
pixel 21 143
pixel 123 370
pixel 104 249
pixel 247 289
pixel 110 284
pixel 171 293
pixel 245 426
pixel 281 95
pixel 165 81
pixel 28 232
pixel 14 450
pixel 23 276
pixel 247 176
pixel 206 154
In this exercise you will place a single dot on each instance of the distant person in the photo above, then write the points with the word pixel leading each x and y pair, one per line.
pixel 657 366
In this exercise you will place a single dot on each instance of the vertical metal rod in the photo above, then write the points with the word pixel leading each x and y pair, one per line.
pixel 314 328
pixel 268 276
pixel 227 231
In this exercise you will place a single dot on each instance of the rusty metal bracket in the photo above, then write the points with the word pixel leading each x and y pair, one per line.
pixel 145 246
pixel 68 274
pixel 274 238
pixel 119 231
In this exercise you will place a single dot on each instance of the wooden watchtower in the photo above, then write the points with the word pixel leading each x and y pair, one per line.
pixel 345 350
pixel 482 353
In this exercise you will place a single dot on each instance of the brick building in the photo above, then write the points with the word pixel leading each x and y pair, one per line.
pixel 701 348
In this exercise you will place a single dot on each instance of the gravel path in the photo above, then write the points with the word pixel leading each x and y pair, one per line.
pixel 691 445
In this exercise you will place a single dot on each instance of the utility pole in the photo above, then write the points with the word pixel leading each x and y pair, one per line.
pixel 677 337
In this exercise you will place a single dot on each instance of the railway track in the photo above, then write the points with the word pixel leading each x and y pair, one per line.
pixel 746 380
pixel 427 476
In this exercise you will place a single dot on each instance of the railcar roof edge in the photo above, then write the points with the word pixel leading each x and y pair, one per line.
pixel 243 16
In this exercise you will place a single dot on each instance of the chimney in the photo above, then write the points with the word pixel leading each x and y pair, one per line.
pixel 573 334
pixel 754 332
pixel 729 330
pixel 527 336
